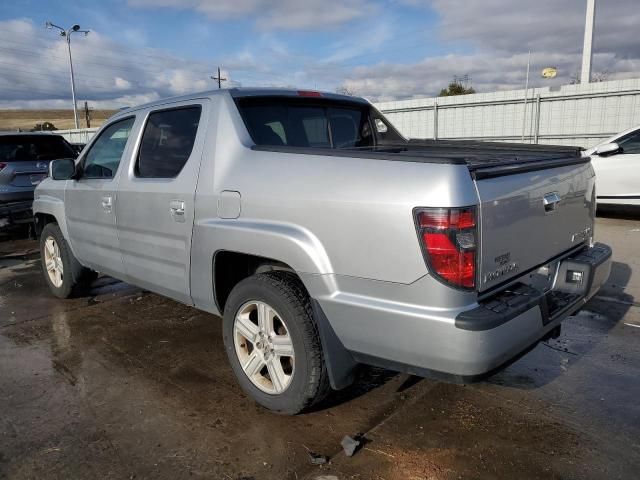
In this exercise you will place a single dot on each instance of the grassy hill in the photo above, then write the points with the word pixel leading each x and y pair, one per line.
pixel 62 119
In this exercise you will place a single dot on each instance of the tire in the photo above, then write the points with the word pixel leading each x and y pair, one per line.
pixel 293 326
pixel 74 279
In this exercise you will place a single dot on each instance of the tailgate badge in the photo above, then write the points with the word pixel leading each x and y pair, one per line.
pixel 506 266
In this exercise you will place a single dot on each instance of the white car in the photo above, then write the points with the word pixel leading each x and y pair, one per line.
pixel 617 165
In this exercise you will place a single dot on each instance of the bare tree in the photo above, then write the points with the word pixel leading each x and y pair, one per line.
pixel 601 76
pixel 344 90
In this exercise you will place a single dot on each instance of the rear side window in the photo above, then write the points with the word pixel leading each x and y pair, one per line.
pixel 167 142
pixel 26 148
pixel 295 123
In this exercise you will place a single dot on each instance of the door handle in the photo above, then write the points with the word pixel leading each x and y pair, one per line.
pixel 176 209
pixel 551 201
pixel 107 203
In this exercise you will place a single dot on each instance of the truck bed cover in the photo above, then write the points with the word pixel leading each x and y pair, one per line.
pixel 483 159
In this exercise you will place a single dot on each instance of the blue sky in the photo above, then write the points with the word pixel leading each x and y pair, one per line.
pixel 144 49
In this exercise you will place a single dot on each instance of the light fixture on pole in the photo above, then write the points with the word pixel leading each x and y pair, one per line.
pixel 67 34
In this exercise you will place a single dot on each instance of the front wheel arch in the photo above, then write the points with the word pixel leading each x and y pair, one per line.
pixel 42 220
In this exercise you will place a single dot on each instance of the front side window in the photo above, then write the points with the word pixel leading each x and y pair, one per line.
pixel 630 143
pixel 103 157
pixel 167 142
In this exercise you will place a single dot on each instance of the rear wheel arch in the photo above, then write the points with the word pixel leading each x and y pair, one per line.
pixel 230 268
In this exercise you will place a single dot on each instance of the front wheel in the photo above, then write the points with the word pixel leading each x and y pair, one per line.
pixel 62 272
pixel 273 344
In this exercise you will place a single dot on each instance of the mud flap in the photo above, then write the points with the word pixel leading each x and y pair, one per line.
pixel 339 362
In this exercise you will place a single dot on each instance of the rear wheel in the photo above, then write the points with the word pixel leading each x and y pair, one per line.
pixel 62 272
pixel 273 344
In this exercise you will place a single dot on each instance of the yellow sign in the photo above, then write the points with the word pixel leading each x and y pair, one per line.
pixel 549 72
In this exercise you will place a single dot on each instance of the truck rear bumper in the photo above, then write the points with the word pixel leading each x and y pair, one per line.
pixel 464 344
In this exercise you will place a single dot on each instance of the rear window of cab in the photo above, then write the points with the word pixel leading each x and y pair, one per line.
pixel 314 123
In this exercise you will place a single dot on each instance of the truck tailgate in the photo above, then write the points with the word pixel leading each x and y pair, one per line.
pixel 529 216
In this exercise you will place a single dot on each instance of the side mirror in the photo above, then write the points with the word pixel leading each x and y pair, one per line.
pixel 381 127
pixel 63 169
pixel 607 149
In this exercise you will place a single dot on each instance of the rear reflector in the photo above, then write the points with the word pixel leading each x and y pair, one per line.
pixel 448 237
pixel 308 93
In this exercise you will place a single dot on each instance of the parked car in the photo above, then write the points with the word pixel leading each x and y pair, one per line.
pixel 617 165
pixel 24 162
pixel 324 238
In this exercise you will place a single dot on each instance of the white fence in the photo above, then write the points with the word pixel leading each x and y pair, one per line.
pixel 81 135
pixel 580 115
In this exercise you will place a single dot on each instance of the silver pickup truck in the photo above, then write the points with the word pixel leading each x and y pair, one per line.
pixel 324 238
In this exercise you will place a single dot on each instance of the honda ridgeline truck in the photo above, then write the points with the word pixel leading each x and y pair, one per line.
pixel 325 239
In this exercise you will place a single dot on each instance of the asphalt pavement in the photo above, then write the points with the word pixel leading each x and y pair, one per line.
pixel 126 384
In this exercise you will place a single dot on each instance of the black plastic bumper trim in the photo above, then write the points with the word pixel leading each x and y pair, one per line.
pixel 500 308
pixel 519 298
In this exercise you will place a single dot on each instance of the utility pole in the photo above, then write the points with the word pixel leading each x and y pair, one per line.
pixel 219 79
pixel 67 34
pixel 587 54
pixel 87 114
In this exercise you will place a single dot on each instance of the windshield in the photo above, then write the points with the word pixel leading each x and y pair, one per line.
pixel 17 148
pixel 316 123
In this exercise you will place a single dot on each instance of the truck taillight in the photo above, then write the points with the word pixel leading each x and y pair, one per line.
pixel 309 93
pixel 448 237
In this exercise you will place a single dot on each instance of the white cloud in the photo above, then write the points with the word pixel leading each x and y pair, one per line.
pixel 273 14
pixel 122 84
pixel 499 33
pixel 34 65
pixel 493 36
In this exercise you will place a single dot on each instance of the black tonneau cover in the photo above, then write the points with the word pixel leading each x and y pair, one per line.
pixel 483 159
pixel 491 159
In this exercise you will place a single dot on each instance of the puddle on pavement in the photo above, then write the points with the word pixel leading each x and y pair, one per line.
pixel 123 382
pixel 152 378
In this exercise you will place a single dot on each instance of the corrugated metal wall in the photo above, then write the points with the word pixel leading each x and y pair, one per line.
pixel 581 115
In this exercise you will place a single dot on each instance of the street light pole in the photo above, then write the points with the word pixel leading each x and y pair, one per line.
pixel 587 49
pixel 526 95
pixel 67 34
pixel 73 84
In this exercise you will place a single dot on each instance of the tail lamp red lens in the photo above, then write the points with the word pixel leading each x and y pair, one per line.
pixel 2 165
pixel 448 237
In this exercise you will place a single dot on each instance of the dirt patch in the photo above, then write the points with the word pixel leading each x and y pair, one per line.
pixel 62 119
